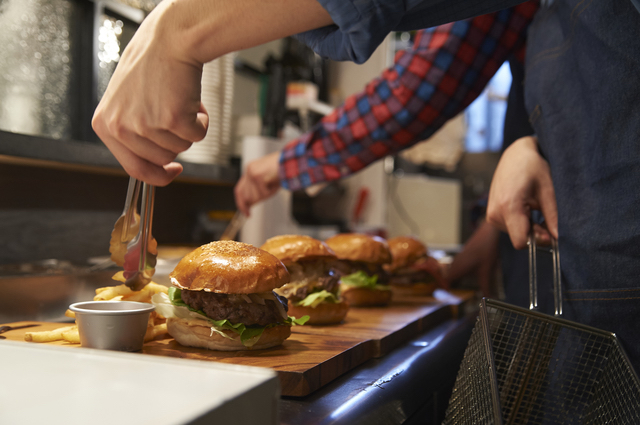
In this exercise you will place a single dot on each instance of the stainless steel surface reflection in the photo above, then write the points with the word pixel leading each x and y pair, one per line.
pixel 410 385
pixel 42 291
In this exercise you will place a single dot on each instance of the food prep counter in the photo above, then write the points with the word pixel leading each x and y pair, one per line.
pixel 394 364
pixel 410 385
pixel 57 385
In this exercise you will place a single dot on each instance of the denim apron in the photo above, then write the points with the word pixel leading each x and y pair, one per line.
pixel 582 92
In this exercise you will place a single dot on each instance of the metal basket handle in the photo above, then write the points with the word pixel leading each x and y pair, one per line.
pixel 533 274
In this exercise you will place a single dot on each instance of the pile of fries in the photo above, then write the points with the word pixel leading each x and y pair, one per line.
pixel 156 327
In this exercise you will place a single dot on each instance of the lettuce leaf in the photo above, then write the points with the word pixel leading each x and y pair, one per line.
pixel 171 305
pixel 316 298
pixel 362 280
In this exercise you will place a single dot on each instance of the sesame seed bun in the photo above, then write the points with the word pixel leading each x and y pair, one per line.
pixel 360 247
pixel 405 250
pixel 292 248
pixel 229 267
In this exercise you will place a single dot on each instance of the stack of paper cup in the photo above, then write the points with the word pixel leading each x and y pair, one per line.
pixel 217 96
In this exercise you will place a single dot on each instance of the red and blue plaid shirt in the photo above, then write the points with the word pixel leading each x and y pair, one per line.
pixel 447 68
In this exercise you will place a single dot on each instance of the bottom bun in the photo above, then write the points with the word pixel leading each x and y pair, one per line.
pixel 365 297
pixel 322 314
pixel 414 289
pixel 194 335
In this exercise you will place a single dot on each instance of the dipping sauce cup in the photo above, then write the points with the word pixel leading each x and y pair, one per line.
pixel 112 325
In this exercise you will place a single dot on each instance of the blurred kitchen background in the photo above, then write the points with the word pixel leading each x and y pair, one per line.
pixel 61 190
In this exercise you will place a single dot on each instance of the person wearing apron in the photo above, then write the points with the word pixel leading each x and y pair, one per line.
pixel 581 91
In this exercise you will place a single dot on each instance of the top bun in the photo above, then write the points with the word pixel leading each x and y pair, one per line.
pixel 292 248
pixel 405 250
pixel 229 267
pixel 360 247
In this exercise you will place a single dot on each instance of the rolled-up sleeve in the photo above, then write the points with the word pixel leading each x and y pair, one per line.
pixel 360 26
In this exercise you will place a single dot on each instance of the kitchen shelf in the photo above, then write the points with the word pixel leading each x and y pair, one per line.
pixel 45 152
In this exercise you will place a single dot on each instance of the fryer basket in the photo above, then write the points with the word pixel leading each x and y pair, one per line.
pixel 525 367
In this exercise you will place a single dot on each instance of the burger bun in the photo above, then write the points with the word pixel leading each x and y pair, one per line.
pixel 187 333
pixel 405 251
pixel 325 313
pixel 229 267
pixel 365 297
pixel 292 248
pixel 360 247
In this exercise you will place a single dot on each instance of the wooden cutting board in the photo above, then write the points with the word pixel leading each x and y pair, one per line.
pixel 385 328
pixel 313 356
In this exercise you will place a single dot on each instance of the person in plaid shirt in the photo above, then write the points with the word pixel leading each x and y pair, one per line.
pixel 447 68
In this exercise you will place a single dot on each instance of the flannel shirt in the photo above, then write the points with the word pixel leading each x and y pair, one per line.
pixel 446 69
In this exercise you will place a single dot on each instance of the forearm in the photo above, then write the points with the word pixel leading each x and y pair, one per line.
pixel 198 31
pixel 428 85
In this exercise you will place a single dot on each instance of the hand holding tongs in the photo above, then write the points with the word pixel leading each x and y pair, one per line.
pixel 132 245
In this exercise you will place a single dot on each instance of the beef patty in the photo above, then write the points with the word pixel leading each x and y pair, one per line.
pixel 235 308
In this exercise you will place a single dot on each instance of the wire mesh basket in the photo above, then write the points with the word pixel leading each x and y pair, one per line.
pixel 525 367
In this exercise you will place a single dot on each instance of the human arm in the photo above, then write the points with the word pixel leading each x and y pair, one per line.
pixel 479 256
pixel 446 69
pixel 522 183
pixel 258 182
pixel 151 110
pixel 360 26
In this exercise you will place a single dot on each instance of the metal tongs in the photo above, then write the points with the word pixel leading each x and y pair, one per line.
pixel 132 245
pixel 232 229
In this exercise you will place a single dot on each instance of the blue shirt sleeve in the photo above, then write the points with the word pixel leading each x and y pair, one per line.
pixel 360 26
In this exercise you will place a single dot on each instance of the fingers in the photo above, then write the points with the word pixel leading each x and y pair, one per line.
pixel 548 205
pixel 147 153
pixel 522 183
pixel 192 129
pixel 250 190
pixel 517 222
pixel 259 182
pixel 542 235
pixel 155 174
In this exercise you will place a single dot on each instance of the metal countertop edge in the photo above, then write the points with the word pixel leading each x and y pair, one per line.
pixel 390 389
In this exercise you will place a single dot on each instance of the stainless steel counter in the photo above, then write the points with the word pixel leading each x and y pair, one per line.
pixel 411 385
pixel 93 157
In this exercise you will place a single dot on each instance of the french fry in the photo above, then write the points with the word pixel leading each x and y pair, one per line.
pixel 70 313
pixel 111 292
pixel 155 331
pixel 119 276
pixel 142 296
pixel 156 319
pixel 47 336
pixel 72 335
pixel 156 288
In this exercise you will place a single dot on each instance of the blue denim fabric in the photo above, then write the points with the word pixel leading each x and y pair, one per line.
pixel 582 92
pixel 361 25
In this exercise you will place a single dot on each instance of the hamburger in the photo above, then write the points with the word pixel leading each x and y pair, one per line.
pixel 363 280
pixel 412 271
pixel 222 299
pixel 314 286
